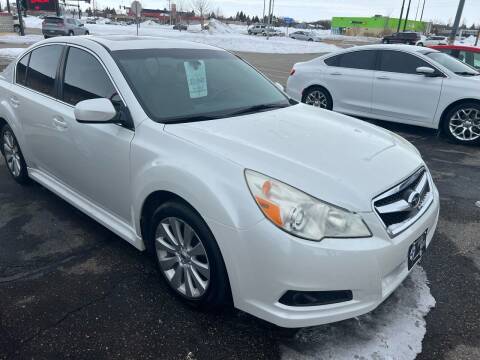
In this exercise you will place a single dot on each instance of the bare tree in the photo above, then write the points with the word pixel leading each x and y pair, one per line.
pixel 201 8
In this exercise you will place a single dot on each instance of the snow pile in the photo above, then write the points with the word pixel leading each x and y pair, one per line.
pixel 393 331
pixel 33 22
pixel 11 53
pixel 149 23
pixel 466 41
pixel 218 27
pixel 17 39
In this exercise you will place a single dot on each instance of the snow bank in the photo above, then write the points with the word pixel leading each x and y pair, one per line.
pixel 218 27
pixel 33 22
pixel 17 39
pixel 394 330
pixel 11 53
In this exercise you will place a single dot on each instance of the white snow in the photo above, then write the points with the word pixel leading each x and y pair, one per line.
pixel 11 53
pixel 232 37
pixel 17 39
pixel 394 330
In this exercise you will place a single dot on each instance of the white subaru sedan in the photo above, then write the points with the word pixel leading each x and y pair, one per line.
pixel 297 215
pixel 398 83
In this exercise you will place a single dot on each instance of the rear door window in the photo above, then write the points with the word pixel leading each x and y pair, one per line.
pixel 400 62
pixel 42 68
pixel 364 60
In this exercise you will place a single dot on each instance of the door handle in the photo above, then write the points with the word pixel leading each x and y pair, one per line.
pixel 383 78
pixel 59 123
pixel 336 73
pixel 14 101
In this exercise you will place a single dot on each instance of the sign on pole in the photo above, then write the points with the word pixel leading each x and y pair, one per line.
pixel 136 8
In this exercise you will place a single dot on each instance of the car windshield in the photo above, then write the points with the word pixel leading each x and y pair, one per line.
pixel 453 64
pixel 181 85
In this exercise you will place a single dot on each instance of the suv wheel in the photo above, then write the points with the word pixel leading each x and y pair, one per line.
pixel 13 155
pixel 420 44
pixel 386 41
pixel 70 33
pixel 188 256
pixel 16 28
pixel 462 123
pixel 318 97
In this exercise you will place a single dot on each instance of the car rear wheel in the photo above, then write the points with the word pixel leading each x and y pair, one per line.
pixel 310 39
pixel 318 97
pixel 462 123
pixel 420 44
pixel 13 155
pixel 386 41
pixel 87 32
pixel 70 33
pixel 188 256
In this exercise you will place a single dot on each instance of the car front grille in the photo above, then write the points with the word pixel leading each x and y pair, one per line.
pixel 401 206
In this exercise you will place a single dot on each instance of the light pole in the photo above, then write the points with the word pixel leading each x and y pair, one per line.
pixel 423 8
pixel 401 15
pixel 461 4
pixel 406 16
pixel 263 19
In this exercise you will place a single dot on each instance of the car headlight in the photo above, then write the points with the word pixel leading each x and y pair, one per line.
pixel 300 214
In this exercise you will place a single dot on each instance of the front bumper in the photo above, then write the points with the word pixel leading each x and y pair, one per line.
pixel 264 262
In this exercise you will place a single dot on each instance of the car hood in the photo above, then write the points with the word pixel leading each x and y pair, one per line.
pixel 335 158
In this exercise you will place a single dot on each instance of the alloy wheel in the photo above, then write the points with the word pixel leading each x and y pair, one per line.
pixel 12 153
pixel 182 257
pixel 317 98
pixel 464 125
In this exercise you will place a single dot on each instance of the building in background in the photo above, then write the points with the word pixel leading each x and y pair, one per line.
pixel 377 25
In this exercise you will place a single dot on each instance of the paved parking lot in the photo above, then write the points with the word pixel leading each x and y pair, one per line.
pixel 71 288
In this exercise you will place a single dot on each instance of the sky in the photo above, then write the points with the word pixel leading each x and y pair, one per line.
pixel 309 10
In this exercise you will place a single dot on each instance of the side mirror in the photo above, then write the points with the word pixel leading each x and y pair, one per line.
pixel 95 111
pixel 280 86
pixel 425 70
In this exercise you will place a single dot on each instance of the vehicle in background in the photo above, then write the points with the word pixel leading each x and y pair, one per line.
pixel 59 26
pixel 432 40
pixel 405 37
pixel 399 83
pixel 305 36
pixel 296 215
pixel 180 27
pixel 91 21
pixel 16 23
pixel 470 55
pixel 257 29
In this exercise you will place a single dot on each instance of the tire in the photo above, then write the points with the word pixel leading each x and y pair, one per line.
pixel 461 124
pixel 310 40
pixel 385 42
pixel 45 36
pixel 318 96
pixel 420 44
pixel 71 33
pixel 87 32
pixel 178 264
pixel 16 28
pixel 13 156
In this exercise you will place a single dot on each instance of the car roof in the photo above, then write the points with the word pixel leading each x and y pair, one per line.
pixel 132 42
pixel 398 47
pixel 456 47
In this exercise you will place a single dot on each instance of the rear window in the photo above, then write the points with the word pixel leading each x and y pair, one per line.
pixel 52 20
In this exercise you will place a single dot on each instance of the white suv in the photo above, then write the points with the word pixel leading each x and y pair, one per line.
pixel 301 216
pixel 399 83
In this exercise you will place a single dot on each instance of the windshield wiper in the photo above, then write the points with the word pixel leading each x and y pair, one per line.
pixel 466 73
pixel 259 108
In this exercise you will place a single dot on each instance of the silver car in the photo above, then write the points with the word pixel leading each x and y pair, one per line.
pixel 59 26
pixel 304 35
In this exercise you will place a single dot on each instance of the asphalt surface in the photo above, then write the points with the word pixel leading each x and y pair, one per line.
pixel 71 288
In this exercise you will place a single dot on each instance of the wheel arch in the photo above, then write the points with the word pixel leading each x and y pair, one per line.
pixel 451 106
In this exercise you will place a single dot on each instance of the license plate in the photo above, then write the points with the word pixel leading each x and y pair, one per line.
pixel 417 249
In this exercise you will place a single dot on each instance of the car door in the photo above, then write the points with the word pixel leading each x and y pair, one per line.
pixel 349 79
pixel 97 164
pixel 402 95
pixel 34 101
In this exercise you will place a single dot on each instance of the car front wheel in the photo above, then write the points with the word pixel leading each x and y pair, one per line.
pixel 318 97
pixel 188 256
pixel 462 123
pixel 13 155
